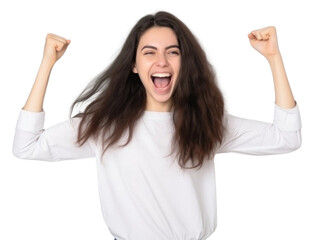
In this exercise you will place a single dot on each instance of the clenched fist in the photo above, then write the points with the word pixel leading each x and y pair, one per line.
pixel 55 47
pixel 265 41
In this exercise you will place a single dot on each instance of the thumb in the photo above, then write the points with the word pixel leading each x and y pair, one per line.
pixel 62 46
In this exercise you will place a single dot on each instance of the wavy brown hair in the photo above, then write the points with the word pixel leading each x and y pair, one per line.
pixel 119 97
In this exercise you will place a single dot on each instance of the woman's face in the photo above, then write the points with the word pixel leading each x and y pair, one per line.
pixel 158 61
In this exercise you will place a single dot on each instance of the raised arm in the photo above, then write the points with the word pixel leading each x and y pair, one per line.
pixel 259 138
pixel 55 47
pixel 31 140
pixel 265 42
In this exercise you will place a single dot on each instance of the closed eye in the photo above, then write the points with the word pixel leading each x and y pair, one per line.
pixel 148 53
pixel 174 52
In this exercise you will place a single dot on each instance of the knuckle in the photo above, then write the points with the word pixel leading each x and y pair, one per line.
pixel 272 28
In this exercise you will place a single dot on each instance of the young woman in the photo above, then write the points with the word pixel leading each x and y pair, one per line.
pixel 154 123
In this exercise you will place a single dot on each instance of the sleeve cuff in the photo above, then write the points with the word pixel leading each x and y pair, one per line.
pixel 30 121
pixel 287 119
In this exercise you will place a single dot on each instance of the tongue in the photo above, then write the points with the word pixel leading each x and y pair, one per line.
pixel 161 82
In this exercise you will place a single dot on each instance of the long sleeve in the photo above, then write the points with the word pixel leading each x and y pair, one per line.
pixel 31 141
pixel 260 138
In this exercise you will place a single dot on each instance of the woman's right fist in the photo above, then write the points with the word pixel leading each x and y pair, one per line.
pixel 55 47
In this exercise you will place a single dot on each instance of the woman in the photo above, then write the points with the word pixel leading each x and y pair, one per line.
pixel 154 123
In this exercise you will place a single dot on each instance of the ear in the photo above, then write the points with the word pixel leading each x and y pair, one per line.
pixel 134 69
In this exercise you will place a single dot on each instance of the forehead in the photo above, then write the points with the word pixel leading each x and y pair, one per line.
pixel 158 36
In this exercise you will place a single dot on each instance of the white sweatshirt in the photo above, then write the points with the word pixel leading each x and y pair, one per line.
pixel 144 193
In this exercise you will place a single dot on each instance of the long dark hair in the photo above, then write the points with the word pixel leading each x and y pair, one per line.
pixel 118 97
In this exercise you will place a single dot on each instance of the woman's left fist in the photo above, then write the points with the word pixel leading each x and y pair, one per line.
pixel 264 40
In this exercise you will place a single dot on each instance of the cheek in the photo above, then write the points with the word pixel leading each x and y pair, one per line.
pixel 143 68
pixel 143 72
pixel 176 66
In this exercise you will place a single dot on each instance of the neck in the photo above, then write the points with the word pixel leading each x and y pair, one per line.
pixel 159 107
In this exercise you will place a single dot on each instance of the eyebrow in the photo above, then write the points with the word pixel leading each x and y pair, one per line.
pixel 153 47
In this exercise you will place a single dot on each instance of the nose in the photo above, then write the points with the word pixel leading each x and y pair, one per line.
pixel 162 60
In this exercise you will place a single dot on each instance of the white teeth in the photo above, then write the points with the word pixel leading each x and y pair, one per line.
pixel 161 75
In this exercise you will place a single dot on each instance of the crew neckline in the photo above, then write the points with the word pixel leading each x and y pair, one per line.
pixel 157 115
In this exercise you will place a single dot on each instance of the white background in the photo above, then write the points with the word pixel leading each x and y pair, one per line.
pixel 258 197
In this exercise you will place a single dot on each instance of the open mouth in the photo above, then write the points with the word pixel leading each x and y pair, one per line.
pixel 161 80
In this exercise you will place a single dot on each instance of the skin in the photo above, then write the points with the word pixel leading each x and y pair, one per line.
pixel 55 47
pixel 161 60
pixel 158 53
pixel 265 42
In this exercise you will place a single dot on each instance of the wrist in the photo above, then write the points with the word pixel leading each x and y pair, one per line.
pixel 47 64
pixel 274 58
